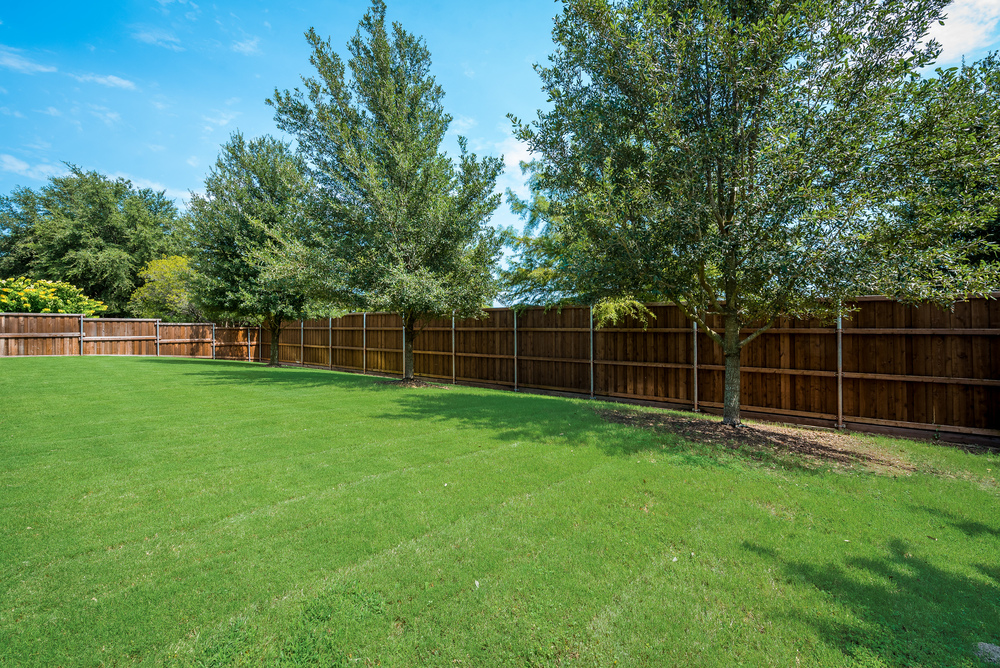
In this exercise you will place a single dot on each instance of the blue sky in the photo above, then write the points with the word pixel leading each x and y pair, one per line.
pixel 149 89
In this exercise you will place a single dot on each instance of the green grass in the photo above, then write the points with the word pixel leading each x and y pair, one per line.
pixel 181 512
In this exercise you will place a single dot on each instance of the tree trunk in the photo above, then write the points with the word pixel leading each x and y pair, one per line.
pixel 408 333
pixel 731 349
pixel 274 326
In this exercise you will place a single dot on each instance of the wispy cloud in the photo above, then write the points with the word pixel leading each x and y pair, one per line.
pixel 158 37
pixel 183 196
pixel 468 71
pixel 109 116
pixel 971 26
pixel 220 120
pixel 193 161
pixel 110 80
pixel 11 112
pixel 247 47
pixel 51 111
pixel 514 153
pixel 12 59
pixel 156 148
pixel 462 124
pixel 40 172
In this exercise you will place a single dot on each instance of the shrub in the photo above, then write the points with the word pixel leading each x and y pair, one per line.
pixel 25 295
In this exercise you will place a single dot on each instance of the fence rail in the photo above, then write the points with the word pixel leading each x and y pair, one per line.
pixel 889 367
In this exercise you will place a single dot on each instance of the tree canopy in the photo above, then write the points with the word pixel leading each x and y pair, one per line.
pixel 398 226
pixel 752 160
pixel 167 291
pixel 86 229
pixel 256 188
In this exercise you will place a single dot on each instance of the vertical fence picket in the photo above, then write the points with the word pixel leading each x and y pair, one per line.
pixel 694 362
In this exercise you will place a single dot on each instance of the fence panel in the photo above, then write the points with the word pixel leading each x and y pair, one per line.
pixel 31 334
pixel 119 336
pixel 902 366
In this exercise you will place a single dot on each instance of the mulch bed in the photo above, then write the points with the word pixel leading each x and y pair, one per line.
pixel 817 445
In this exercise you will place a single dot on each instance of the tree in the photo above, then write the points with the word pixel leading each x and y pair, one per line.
pixel 749 161
pixel 254 189
pixel 168 291
pixel 88 230
pixel 398 227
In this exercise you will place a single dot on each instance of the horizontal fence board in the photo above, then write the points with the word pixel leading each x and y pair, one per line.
pixel 911 367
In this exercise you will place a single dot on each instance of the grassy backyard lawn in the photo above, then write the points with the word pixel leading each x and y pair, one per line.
pixel 181 512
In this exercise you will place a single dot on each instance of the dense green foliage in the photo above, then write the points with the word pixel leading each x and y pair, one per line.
pixel 398 226
pixel 88 230
pixel 255 189
pixel 167 292
pixel 214 513
pixel 24 295
pixel 754 160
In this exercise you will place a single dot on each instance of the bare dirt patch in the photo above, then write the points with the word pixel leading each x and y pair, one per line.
pixel 816 446
pixel 416 383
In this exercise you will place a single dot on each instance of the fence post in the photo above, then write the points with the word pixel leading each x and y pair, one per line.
pixel 213 340
pixel 330 326
pixel 81 336
pixel 453 374
pixel 694 363
pixel 302 341
pixel 515 349
pixel 157 338
pixel 364 342
pixel 260 345
pixel 591 351
pixel 249 347
pixel 403 365
pixel 840 368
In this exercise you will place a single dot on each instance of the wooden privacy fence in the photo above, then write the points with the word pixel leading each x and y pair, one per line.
pixel 889 367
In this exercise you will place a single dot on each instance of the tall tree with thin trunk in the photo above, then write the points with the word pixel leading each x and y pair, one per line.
pixel 752 160
pixel 398 225
pixel 255 189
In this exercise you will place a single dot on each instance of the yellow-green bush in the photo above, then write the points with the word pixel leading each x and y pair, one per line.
pixel 24 295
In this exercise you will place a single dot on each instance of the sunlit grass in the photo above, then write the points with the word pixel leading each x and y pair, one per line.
pixel 214 513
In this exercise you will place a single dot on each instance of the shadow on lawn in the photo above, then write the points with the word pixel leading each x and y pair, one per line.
pixel 508 415
pixel 233 372
pixel 968 527
pixel 911 611
pixel 534 417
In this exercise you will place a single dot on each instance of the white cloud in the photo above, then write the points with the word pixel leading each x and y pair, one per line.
pixel 156 148
pixel 158 37
pixel 12 59
pixel 3 91
pixel 468 71
pixel 221 120
pixel 109 116
pixel 110 80
pixel 247 47
pixel 971 25
pixel 40 172
pixel 462 124
pixel 51 111
pixel 193 161
pixel 11 112
pixel 182 196
pixel 514 153
pixel 233 100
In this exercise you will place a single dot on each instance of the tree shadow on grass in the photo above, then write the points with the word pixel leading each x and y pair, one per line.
pixel 909 612
pixel 232 372
pixel 969 527
pixel 573 422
